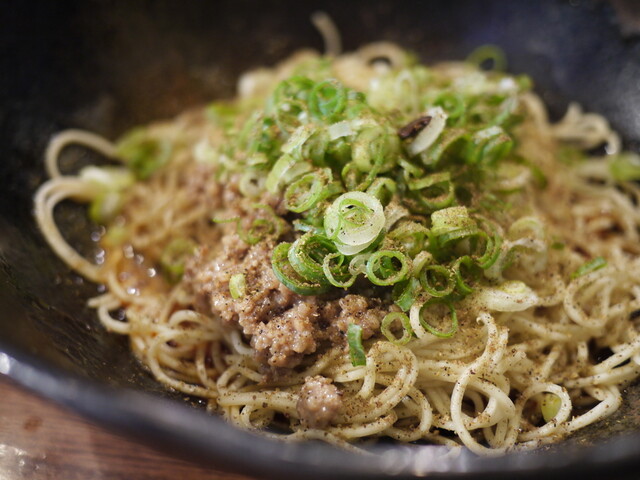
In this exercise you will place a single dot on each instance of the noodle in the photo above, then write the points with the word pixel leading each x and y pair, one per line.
pixel 494 358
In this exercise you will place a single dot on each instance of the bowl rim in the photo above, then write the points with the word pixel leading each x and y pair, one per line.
pixel 187 432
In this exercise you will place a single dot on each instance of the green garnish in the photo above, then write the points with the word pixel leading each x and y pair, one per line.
pixel 591 266
pixel 488 53
pixel 237 286
pixel 549 406
pixel 625 167
pixel 143 153
pixel 407 331
pixel 356 350
pixel 174 256
pixel 371 186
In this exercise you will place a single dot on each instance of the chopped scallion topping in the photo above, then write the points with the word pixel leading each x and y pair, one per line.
pixel 237 286
pixel 356 350
pixel 407 331
pixel 591 266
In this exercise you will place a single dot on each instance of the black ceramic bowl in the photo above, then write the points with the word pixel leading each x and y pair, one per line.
pixel 106 66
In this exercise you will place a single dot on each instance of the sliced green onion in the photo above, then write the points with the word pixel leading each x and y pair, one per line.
pixel 506 111
pixel 315 148
pixel 356 350
pixel 591 266
pixel 108 177
pixel 174 256
pixel 437 280
pixel 536 172
pixel 354 219
pixel 237 286
pixel 222 114
pixel 492 244
pixel 409 170
pixel 105 206
pixel 394 212
pixel 356 180
pixel 327 99
pixel 307 254
pixel 116 236
pixel 462 270
pixel 411 235
pixel 339 130
pixel 373 143
pixel 284 171
pixel 110 183
pixel 452 103
pixel 309 189
pixel 488 146
pixel 251 183
pixel 143 153
pixel 420 309
pixel 625 167
pixel 429 180
pixel 550 406
pixel 383 189
pixel 405 293
pixel 488 53
pixel 261 228
pixel 296 87
pixel 432 192
pixel 407 331
pixel 336 272
pixel 430 133
pixel 260 135
pixel 358 264
pixel 387 267
pixel 526 227
pixel 289 115
pixel 293 146
pixel 451 224
pixel 306 225
pixel 289 277
pixel 448 145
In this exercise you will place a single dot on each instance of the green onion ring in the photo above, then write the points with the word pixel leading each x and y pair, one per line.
pixel 327 99
pixel 307 255
pixel 454 317
pixel 381 271
pixel 289 277
pixel 437 280
pixel 407 331
pixel 305 192
pixel 335 275
pixel 461 285
pixel 405 293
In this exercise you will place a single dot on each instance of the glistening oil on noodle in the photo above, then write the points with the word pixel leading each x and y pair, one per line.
pixel 361 246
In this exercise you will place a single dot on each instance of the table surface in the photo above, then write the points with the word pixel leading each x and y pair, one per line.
pixel 40 440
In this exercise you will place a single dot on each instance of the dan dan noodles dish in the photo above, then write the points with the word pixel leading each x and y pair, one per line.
pixel 360 246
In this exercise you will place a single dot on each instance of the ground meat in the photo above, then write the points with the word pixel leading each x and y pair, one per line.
pixel 319 402
pixel 281 325
pixel 289 336
pixel 366 312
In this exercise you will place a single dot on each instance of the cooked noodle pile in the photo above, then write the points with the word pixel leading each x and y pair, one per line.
pixel 532 346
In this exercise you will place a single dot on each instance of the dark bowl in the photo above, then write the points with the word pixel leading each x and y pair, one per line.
pixel 106 66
